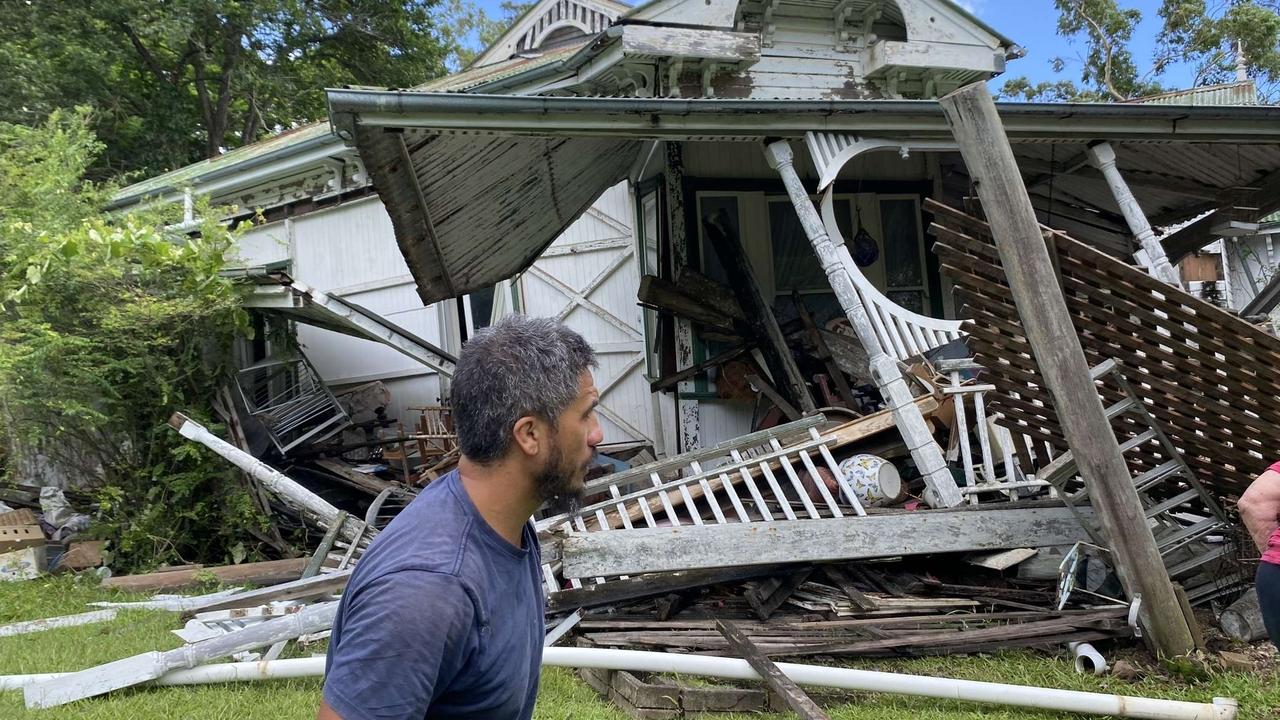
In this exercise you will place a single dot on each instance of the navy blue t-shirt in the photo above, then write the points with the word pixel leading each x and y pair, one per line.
pixel 442 618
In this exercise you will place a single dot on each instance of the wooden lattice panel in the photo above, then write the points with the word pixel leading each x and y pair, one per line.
pixel 1209 377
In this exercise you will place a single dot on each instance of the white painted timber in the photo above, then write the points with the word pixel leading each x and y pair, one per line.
pixel 539 22
pixel 888 55
pixel 1151 256
pixel 153 665
pixel 63 621
pixel 588 279
pixel 279 484
pixel 836 262
pixel 703 13
pixel 710 45
pixel 313 306
pixel 688 547
pixel 172 603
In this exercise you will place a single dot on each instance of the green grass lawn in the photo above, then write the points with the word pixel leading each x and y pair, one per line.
pixel 563 696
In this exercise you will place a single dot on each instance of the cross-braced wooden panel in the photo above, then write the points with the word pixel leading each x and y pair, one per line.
pixel 1209 377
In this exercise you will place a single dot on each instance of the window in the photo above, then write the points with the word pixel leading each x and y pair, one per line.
pixel 648 231
pixel 795 266
pixel 902 244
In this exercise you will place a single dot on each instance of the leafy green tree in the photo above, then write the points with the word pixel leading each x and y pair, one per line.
pixel 177 81
pixel 108 324
pixel 1211 37
pixel 1208 37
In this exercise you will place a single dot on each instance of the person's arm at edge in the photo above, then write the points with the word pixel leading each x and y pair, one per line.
pixel 1260 507
pixel 326 712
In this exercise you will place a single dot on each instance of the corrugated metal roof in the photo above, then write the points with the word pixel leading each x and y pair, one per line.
pixel 240 156
pixel 470 210
pixel 284 141
pixel 1236 93
pixel 467 79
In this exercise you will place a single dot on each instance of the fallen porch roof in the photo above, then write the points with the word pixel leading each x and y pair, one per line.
pixel 477 186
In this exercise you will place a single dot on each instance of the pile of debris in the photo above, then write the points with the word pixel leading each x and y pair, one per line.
pixel 45 534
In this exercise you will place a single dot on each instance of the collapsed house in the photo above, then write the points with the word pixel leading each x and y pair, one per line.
pixel 811 345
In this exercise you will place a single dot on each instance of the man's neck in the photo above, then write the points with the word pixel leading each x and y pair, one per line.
pixel 502 494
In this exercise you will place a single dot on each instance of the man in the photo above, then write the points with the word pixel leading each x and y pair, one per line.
pixel 1260 510
pixel 443 617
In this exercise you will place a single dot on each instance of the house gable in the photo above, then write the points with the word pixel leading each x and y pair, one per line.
pixel 551 23
pixel 792 49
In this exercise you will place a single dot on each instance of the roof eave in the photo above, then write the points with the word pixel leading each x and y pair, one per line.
pixel 303 149
pixel 659 118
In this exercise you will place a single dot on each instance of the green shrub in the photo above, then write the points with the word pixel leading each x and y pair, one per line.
pixel 108 324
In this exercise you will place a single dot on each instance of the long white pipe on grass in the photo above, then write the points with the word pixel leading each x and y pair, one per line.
pixel 1073 701
pixel 203 674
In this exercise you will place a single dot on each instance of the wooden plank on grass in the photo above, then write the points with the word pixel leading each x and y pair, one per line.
pixel 260 573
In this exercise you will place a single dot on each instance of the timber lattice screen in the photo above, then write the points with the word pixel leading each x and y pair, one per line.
pixel 1209 377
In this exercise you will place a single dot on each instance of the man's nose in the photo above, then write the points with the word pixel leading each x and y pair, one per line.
pixel 596 436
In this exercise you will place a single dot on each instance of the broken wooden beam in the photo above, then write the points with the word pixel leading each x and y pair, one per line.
pixel 643 586
pixel 689 547
pixel 300 589
pixel 148 666
pixel 973 119
pixel 759 315
pixel 777 680
pixel 270 572
pixel 281 485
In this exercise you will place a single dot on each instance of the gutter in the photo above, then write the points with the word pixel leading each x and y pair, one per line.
pixel 652 118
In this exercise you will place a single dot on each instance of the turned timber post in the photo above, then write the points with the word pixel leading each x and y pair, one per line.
pixel 1103 157
pixel 942 488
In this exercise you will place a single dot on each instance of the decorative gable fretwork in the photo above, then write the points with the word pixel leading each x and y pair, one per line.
pixel 564 19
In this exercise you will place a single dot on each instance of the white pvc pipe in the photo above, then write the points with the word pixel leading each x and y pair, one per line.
pixel 843 678
pixel 870 681
pixel 1088 659
pixel 203 674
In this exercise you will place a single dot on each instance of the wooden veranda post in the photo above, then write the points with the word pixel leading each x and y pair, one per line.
pixel 943 491
pixel 971 113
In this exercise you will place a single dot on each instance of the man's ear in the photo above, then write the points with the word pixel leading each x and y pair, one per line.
pixel 529 435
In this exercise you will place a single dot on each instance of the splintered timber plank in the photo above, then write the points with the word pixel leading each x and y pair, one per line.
pixel 642 586
pixel 734 544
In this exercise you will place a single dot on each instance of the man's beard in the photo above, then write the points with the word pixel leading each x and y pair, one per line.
pixel 561 487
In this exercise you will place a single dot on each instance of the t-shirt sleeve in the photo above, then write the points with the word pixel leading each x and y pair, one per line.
pixel 403 637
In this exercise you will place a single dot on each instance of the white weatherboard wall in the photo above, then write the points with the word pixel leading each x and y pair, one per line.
pixel 588 278
pixel 350 251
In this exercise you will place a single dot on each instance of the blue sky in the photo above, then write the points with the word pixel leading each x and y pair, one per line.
pixel 1033 24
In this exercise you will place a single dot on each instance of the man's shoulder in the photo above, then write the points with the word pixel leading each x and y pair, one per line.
pixel 428 535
